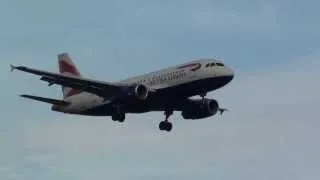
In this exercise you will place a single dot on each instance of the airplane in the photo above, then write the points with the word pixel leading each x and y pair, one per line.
pixel 166 90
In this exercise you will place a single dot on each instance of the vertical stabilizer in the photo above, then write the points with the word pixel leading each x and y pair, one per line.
pixel 67 67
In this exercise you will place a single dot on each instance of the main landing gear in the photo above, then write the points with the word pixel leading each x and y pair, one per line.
pixel 118 114
pixel 119 117
pixel 203 95
pixel 166 125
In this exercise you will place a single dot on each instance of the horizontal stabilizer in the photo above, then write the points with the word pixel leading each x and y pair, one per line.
pixel 46 100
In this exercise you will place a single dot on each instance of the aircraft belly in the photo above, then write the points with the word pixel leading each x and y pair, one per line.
pixel 171 96
pixel 163 98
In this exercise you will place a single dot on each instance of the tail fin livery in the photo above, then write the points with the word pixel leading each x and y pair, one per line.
pixel 67 67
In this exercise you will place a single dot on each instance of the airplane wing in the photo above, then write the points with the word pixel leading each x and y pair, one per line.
pixel 100 88
pixel 46 100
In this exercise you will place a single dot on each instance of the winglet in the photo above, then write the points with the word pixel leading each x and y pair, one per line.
pixel 222 110
pixel 12 67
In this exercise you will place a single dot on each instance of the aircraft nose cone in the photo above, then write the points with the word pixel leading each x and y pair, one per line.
pixel 229 75
pixel 224 80
pixel 230 78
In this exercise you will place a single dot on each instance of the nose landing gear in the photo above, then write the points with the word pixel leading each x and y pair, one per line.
pixel 166 125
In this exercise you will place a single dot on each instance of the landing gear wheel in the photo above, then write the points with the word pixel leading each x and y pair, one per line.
pixel 165 126
pixel 119 117
pixel 162 125
pixel 118 114
pixel 168 127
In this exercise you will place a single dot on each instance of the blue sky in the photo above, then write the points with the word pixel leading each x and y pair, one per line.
pixel 271 131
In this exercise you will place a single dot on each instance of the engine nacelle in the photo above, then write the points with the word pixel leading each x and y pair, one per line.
pixel 138 91
pixel 141 91
pixel 198 110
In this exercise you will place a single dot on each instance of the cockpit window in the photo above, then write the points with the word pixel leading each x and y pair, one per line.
pixel 213 64
pixel 220 64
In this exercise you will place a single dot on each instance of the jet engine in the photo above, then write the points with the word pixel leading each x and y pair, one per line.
pixel 198 109
pixel 141 91
pixel 138 91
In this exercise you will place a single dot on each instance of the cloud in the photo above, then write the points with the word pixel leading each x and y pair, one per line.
pixel 7 173
pixel 224 18
pixel 270 132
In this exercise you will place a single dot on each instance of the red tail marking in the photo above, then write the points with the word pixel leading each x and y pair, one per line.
pixel 66 67
pixel 193 66
pixel 72 92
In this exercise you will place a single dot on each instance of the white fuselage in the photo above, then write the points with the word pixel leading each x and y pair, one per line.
pixel 165 78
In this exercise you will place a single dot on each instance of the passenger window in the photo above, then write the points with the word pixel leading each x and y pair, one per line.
pixel 212 64
pixel 220 64
pixel 207 65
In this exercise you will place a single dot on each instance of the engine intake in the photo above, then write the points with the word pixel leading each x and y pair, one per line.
pixel 138 91
pixel 141 91
pixel 199 109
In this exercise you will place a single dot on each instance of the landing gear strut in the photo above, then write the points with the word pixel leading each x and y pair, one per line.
pixel 166 125
pixel 118 114
pixel 203 94
pixel 119 117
